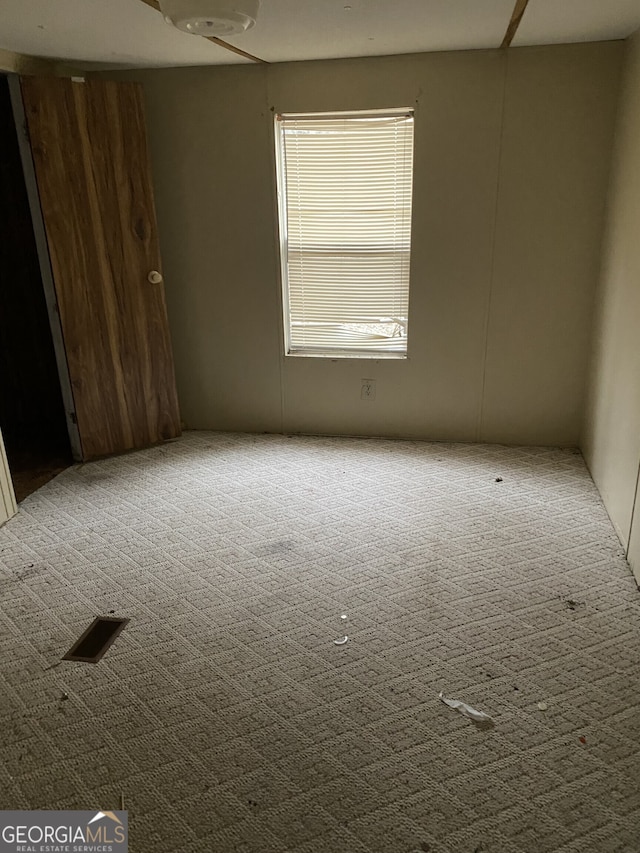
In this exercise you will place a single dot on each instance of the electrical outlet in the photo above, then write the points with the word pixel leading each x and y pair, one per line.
pixel 368 389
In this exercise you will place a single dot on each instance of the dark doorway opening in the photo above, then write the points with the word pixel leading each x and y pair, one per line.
pixel 32 417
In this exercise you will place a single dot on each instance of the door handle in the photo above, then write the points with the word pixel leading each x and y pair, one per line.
pixel 154 277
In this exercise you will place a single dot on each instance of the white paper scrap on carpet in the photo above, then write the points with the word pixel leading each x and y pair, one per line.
pixel 467 710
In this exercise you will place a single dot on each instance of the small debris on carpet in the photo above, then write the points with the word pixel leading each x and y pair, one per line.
pixel 478 717
pixel 573 605
pixel 542 706
pixel 64 696
pixel 498 479
pixel 582 739
pixel 344 638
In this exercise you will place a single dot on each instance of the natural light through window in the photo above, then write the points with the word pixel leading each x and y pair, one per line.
pixel 344 191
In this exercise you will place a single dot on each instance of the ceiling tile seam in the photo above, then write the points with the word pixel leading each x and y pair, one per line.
pixel 516 18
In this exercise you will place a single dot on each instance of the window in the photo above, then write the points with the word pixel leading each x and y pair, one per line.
pixel 344 190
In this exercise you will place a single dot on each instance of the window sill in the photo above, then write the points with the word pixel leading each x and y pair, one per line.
pixel 335 356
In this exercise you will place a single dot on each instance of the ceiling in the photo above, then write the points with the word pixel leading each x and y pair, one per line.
pixel 129 33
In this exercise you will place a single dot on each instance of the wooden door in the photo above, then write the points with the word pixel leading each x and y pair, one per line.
pixel 92 168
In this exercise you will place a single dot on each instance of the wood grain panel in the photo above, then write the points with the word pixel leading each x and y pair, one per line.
pixel 92 166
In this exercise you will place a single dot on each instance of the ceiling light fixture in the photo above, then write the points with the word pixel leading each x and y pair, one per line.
pixel 211 17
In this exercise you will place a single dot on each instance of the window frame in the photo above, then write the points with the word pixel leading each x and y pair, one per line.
pixel 283 241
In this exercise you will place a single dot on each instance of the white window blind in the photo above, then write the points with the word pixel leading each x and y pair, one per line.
pixel 345 183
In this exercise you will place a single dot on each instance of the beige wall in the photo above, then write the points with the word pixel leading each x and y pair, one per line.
pixel 511 166
pixel 612 435
pixel 7 499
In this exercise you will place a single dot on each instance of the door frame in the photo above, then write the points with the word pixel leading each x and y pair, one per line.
pixel 46 273
pixel 8 506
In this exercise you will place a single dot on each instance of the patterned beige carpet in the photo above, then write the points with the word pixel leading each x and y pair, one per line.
pixel 230 720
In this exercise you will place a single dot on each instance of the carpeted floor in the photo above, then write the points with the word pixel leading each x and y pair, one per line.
pixel 229 719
